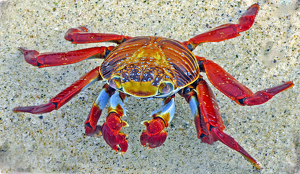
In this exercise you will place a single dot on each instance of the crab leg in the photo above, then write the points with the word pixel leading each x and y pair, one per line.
pixel 80 35
pixel 64 96
pixel 112 127
pixel 226 31
pixel 62 58
pixel 91 127
pixel 208 121
pixel 155 136
pixel 236 91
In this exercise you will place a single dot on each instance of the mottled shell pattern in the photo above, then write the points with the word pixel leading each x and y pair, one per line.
pixel 150 67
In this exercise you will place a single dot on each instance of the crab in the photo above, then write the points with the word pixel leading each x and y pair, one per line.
pixel 153 67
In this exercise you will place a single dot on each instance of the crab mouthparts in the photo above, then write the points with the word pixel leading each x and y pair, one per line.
pixel 140 89
pixel 141 79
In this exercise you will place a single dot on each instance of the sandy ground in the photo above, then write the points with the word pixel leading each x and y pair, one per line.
pixel 260 58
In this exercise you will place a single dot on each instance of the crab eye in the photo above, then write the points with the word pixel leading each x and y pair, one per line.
pixel 115 82
pixel 165 88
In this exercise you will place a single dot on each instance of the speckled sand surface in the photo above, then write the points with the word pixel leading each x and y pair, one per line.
pixel 262 57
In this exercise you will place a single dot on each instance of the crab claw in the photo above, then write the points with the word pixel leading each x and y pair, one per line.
pixel 154 136
pixel 111 133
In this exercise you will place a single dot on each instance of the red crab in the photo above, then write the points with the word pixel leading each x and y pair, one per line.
pixel 152 67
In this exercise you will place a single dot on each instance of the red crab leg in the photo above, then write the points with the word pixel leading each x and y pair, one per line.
pixel 80 35
pixel 208 121
pixel 112 127
pixel 91 127
pixel 64 96
pixel 155 136
pixel 62 58
pixel 236 91
pixel 226 31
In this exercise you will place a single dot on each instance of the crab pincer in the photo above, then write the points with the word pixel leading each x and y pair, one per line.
pixel 112 135
pixel 154 136
pixel 113 125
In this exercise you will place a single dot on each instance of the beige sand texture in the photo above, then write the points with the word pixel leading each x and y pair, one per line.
pixel 260 58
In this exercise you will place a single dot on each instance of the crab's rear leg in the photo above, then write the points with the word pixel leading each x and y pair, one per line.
pixel 226 31
pixel 64 96
pixel 80 35
pixel 154 135
pixel 41 60
pixel 208 121
pixel 233 89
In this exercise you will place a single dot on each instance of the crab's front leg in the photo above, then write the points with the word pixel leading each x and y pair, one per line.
pixel 91 127
pixel 112 127
pixel 154 135
pixel 208 121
